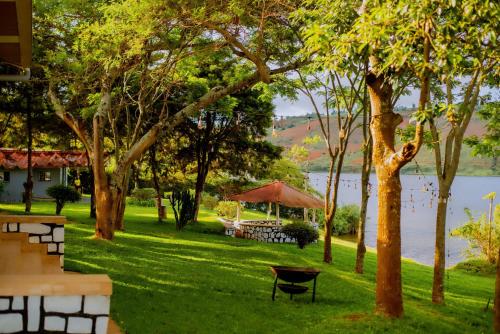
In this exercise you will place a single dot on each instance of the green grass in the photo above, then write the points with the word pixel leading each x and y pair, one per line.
pixel 190 282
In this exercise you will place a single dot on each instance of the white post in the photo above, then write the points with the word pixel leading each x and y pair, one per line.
pixel 314 216
pixel 269 210
pixel 238 211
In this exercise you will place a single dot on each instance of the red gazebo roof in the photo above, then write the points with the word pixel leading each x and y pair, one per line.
pixel 18 159
pixel 279 192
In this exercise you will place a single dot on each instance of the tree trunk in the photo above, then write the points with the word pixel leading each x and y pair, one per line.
pixel 365 192
pixel 28 185
pixel 440 248
pixel 156 183
pixel 59 207
pixel 496 319
pixel 389 300
pixel 200 185
pixel 327 247
pixel 92 196
pixel 361 248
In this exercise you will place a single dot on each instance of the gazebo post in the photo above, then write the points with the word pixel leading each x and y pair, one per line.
pixel 238 211
pixel 269 210
pixel 306 218
pixel 314 216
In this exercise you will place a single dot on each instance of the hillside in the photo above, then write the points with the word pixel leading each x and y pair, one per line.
pixel 292 131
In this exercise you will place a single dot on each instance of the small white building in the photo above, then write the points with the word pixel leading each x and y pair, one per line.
pixel 49 168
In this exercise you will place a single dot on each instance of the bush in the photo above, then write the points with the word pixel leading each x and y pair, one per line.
pixel 148 203
pixel 227 209
pixel 209 201
pixel 63 194
pixel 477 233
pixel 143 194
pixel 346 220
pixel 477 266
pixel 183 206
pixel 304 233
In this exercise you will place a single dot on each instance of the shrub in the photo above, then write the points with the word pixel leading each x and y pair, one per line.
pixel 148 203
pixel 209 201
pixel 143 194
pixel 227 209
pixel 302 232
pixel 346 220
pixel 183 206
pixel 63 194
pixel 477 233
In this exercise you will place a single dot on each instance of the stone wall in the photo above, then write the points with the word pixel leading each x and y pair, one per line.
pixel 41 314
pixel 261 222
pixel 41 233
pixel 265 233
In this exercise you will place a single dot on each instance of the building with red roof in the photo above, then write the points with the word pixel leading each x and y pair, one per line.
pixel 49 168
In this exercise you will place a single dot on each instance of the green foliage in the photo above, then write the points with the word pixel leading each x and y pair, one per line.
pixel 228 209
pixel 63 194
pixel 147 203
pixel 183 206
pixel 346 220
pixel 209 201
pixel 477 266
pixel 288 171
pixel 477 233
pixel 302 232
pixel 489 144
pixel 143 194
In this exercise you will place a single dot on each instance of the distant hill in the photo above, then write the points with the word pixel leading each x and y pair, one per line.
pixel 293 129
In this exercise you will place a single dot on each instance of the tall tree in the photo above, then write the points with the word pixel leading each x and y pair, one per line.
pixel 341 103
pixel 365 190
pixel 229 137
pixel 150 49
pixel 396 38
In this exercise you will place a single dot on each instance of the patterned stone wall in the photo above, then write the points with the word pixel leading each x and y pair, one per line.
pixel 43 233
pixel 261 222
pixel 48 314
pixel 265 233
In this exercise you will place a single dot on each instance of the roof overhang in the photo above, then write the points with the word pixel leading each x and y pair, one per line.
pixel 16 35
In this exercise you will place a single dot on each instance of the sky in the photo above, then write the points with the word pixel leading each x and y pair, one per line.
pixel 302 106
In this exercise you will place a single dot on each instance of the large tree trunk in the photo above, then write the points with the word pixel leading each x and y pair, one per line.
pixel 389 300
pixel 440 248
pixel 496 319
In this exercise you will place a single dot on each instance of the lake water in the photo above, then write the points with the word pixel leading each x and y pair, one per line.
pixel 418 211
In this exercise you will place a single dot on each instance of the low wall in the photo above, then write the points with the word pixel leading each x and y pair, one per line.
pixel 261 222
pixel 68 314
pixel 62 303
pixel 51 234
pixel 264 233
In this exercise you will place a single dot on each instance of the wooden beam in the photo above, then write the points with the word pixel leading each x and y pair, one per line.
pixel 9 39
pixel 33 219
pixel 24 23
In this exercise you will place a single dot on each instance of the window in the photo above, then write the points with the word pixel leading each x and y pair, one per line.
pixel 45 176
pixel 4 176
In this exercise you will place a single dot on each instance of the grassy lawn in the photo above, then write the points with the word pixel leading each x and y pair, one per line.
pixel 199 282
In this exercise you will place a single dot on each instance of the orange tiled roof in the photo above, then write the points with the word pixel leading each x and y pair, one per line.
pixel 279 192
pixel 18 159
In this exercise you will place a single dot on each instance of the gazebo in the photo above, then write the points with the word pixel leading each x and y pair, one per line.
pixel 278 192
